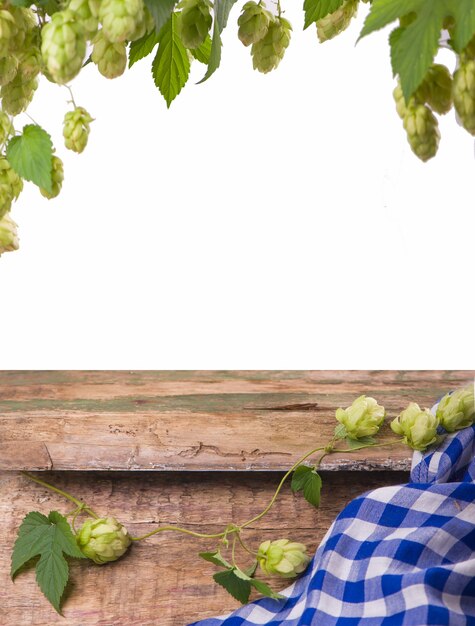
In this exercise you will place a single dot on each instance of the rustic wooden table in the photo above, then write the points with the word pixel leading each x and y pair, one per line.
pixel 179 448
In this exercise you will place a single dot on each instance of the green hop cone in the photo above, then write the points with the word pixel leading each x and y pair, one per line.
pixel 422 130
pixel 363 418
pixel 11 185
pixel 110 58
pixel 87 12
pixel 103 540
pixel 63 46
pixel 57 177
pixel 8 69
pixel 400 101
pixel 119 18
pixel 195 22
pixel 18 93
pixel 464 93
pixel 457 410
pixel 282 557
pixel 269 51
pixel 253 23
pixel 26 21
pixel 8 235
pixel 30 59
pixel 335 23
pixel 6 127
pixel 76 129
pixel 436 89
pixel 418 426
pixel 8 31
pixel 143 27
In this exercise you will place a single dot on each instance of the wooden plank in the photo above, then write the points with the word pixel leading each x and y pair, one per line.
pixel 161 582
pixel 177 421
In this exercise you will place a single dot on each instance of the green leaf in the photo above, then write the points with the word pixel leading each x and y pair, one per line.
pixel 358 443
pixel 221 14
pixel 237 587
pixel 306 479
pixel 31 156
pixel 203 52
pixel 299 477
pixel 414 46
pixel 161 11
pixel 171 66
pixel 340 431
pixel 49 538
pixel 251 570
pixel 317 9
pixel 263 588
pixel 142 47
pixel 216 558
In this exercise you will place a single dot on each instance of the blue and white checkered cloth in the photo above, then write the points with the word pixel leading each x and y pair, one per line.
pixel 395 556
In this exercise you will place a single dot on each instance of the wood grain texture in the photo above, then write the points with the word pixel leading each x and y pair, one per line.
pixel 204 420
pixel 161 582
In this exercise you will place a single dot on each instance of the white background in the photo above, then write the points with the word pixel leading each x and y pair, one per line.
pixel 262 222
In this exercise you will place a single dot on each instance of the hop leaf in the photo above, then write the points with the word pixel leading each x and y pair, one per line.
pixel 50 538
pixel 171 65
pixel 31 154
pixel 307 480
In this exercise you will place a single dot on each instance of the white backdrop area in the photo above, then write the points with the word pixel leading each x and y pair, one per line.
pixel 262 222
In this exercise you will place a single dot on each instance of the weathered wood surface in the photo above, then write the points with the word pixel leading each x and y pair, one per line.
pixel 162 581
pixel 205 420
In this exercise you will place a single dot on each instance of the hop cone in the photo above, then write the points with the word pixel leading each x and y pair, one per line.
pixel 335 23
pixel 195 22
pixel 464 93
pixel 8 69
pixel 363 418
pixel 103 540
pixel 11 186
pixel 63 46
pixel 422 130
pixel 418 426
pixel 269 51
pixel 8 235
pixel 400 101
pixel 8 30
pixel 57 176
pixel 143 27
pixel 76 129
pixel 25 21
pixel 119 18
pixel 253 23
pixel 282 557
pixel 6 127
pixel 30 58
pixel 110 58
pixel 457 410
pixel 436 89
pixel 18 93
pixel 87 12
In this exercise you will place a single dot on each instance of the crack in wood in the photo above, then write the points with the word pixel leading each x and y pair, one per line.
pixel 305 406
pixel 201 448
